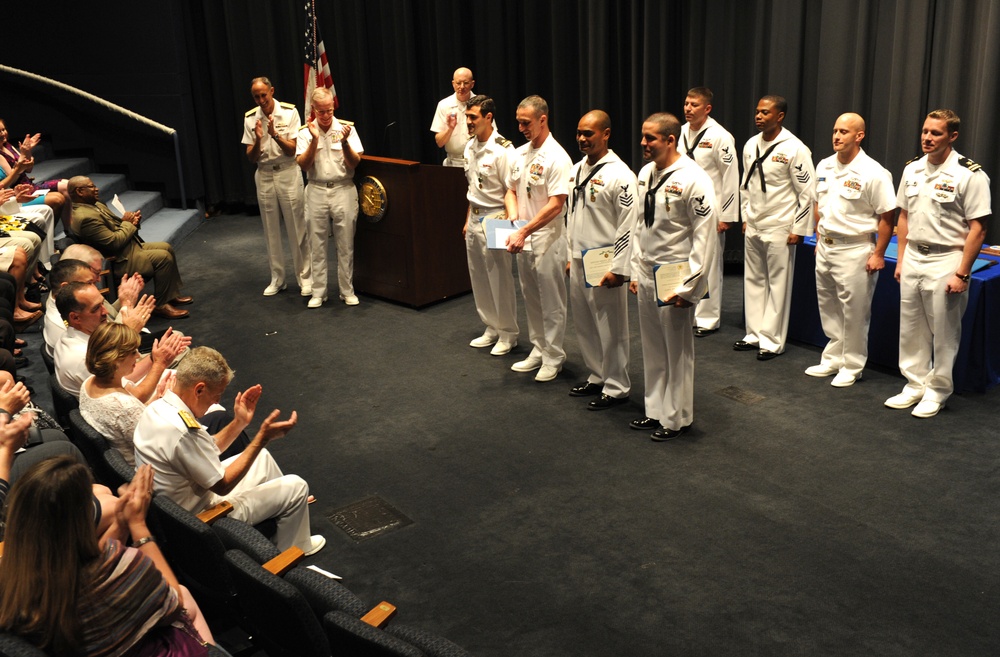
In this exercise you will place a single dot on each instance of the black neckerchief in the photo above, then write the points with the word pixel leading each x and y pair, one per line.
pixel 697 140
pixel 581 185
pixel 758 163
pixel 649 209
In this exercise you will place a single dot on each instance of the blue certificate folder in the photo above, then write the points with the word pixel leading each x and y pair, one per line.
pixel 505 226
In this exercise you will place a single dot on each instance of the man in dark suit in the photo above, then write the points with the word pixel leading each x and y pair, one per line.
pixel 95 225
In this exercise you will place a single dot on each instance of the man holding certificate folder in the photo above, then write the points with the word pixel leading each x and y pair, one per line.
pixel 673 247
pixel 601 216
pixel 537 187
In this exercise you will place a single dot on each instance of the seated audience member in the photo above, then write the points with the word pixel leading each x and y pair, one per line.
pixel 11 356
pixel 111 403
pixel 82 308
pixel 185 457
pixel 14 462
pixel 94 224
pixel 17 163
pixel 13 436
pixel 74 269
pixel 37 219
pixel 69 593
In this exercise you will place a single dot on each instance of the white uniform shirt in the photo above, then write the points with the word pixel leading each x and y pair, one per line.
pixel 71 360
pixel 851 197
pixel 487 164
pixel 939 203
pixel 715 152
pixel 455 146
pixel 535 175
pixel 790 178
pixel 185 461
pixel 329 164
pixel 286 124
pixel 603 212
pixel 683 227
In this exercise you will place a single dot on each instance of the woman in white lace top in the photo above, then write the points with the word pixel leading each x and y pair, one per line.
pixel 105 402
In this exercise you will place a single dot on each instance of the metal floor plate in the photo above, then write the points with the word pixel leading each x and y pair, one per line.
pixel 739 394
pixel 368 518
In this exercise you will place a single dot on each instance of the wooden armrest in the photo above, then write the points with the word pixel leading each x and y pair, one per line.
pixel 213 513
pixel 282 563
pixel 380 614
pixel 1 548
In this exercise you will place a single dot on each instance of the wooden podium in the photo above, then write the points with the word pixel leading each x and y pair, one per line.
pixel 415 253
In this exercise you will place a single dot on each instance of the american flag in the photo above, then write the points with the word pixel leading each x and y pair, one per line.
pixel 316 68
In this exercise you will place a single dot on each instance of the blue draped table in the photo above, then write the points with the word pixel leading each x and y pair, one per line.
pixel 977 367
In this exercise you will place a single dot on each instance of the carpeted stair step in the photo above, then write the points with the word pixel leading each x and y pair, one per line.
pixel 170 225
pixel 60 168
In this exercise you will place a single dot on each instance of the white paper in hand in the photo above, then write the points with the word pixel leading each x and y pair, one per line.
pixel 116 203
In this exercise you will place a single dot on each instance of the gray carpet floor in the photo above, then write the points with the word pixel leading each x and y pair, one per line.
pixel 794 519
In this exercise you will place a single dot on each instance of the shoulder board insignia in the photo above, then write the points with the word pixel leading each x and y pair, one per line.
pixel 969 164
pixel 286 105
pixel 915 159
pixel 346 122
pixel 250 111
pixel 301 128
pixel 506 143
pixel 189 420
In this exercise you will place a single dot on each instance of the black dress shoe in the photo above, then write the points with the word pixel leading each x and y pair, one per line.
pixel 764 354
pixel 605 401
pixel 742 345
pixel 644 424
pixel 700 332
pixel 663 435
pixel 585 389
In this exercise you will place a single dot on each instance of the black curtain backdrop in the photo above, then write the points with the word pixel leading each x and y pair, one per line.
pixel 392 60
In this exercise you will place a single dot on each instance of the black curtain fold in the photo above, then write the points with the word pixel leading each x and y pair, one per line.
pixel 392 60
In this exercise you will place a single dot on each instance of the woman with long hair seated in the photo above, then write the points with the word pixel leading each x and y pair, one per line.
pixel 112 404
pixel 63 591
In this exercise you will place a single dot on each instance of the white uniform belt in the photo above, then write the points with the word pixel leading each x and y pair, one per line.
pixel 484 210
pixel 845 239
pixel 454 161
pixel 268 167
pixel 329 184
pixel 926 249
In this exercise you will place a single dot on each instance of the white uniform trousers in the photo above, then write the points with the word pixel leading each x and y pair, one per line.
pixel 264 492
pixel 667 357
pixel 600 315
pixel 492 276
pixel 767 288
pixel 543 285
pixel 844 293
pixel 708 312
pixel 339 204
pixel 44 218
pixel 279 195
pixel 930 323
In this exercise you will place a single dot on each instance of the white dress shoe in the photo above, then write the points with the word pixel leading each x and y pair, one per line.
pixel 527 365
pixel 316 544
pixel 484 340
pixel 349 299
pixel 902 400
pixel 821 370
pixel 844 380
pixel 273 289
pixel 306 291
pixel 316 302
pixel 502 348
pixel 547 373
pixel 926 408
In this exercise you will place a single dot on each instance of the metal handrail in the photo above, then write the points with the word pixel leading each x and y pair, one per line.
pixel 114 108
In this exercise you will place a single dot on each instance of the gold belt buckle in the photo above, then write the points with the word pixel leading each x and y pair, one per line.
pixel 828 241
